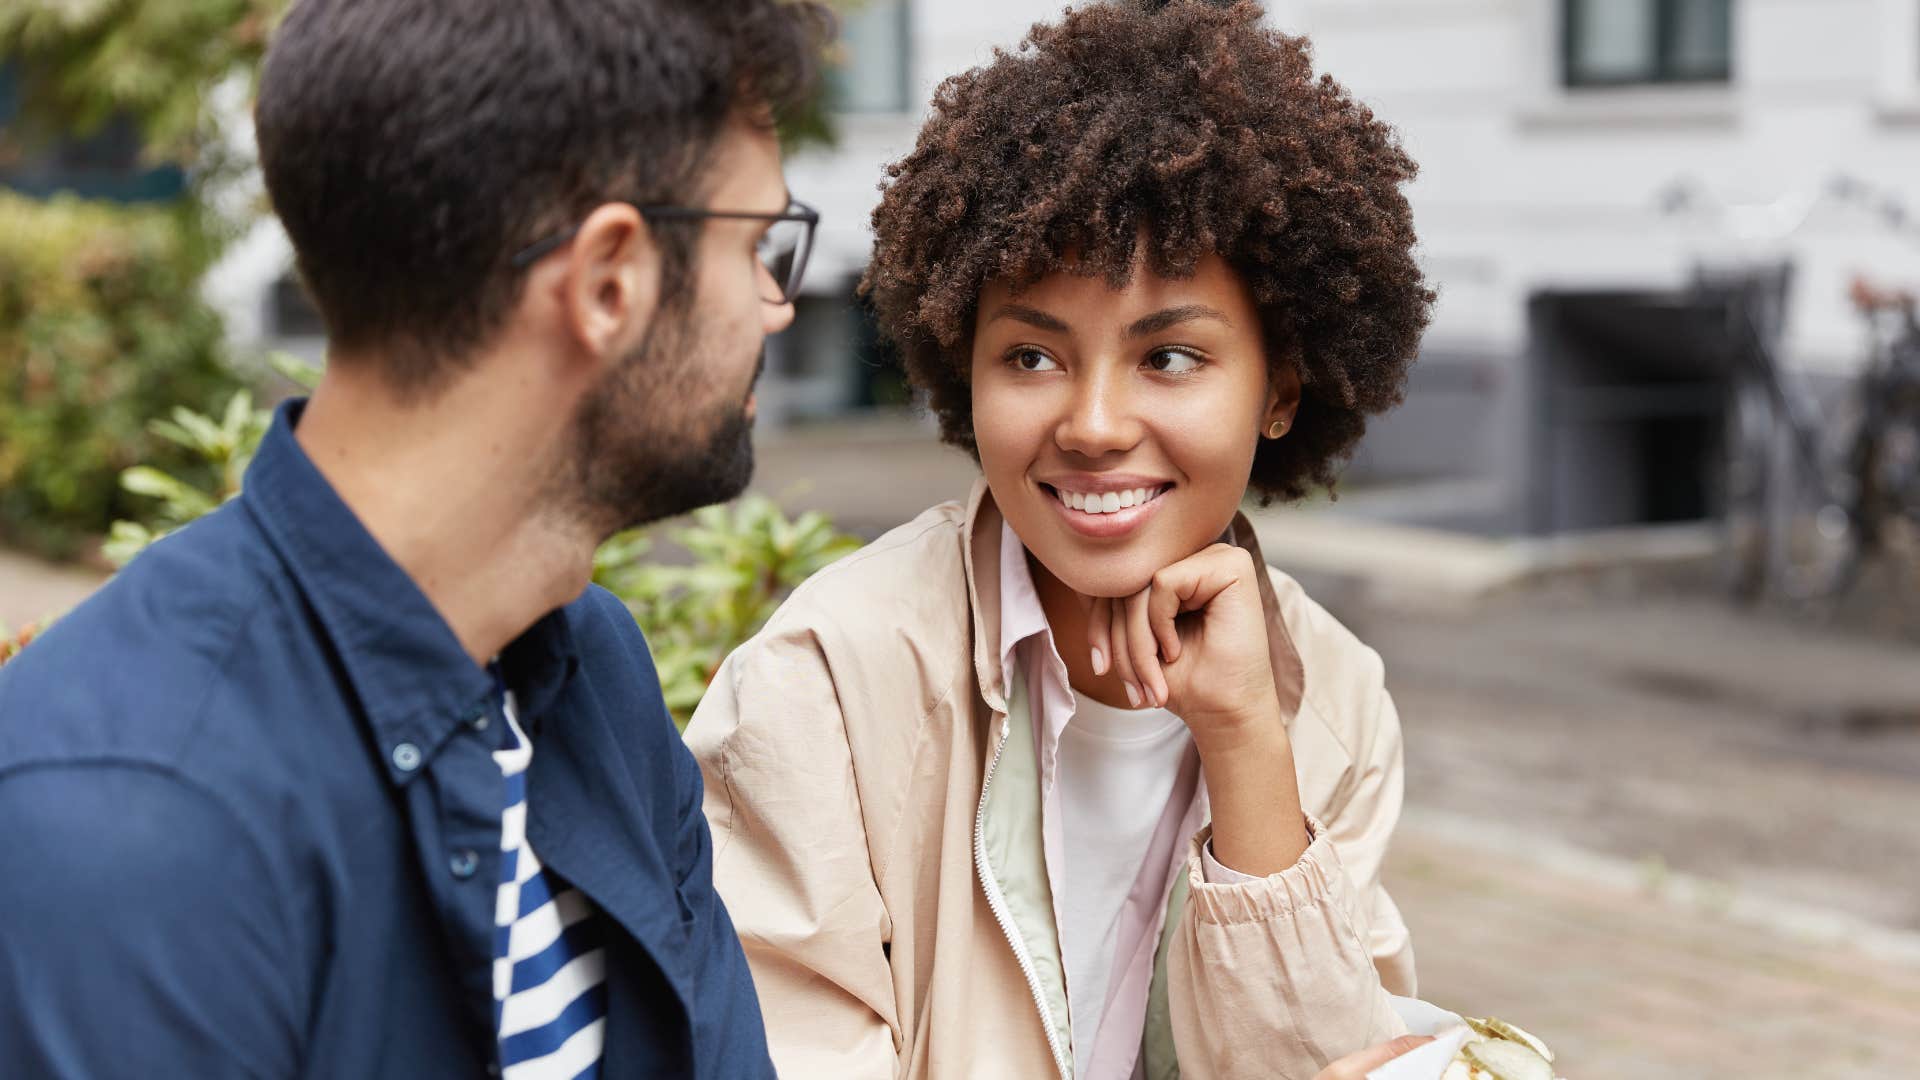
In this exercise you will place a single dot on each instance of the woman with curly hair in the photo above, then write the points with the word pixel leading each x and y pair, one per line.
pixel 1062 778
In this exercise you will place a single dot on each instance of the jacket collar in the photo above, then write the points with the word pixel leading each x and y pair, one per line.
pixel 415 682
pixel 982 528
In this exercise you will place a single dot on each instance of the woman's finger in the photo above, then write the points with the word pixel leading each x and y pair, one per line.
pixel 1144 649
pixel 1200 580
pixel 1122 652
pixel 1099 641
pixel 1163 607
pixel 1357 1066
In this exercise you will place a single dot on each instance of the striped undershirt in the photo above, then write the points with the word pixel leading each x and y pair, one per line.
pixel 550 967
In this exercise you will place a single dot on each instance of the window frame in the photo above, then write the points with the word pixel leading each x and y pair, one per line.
pixel 835 84
pixel 1661 72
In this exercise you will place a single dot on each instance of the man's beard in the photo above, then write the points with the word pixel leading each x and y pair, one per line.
pixel 645 451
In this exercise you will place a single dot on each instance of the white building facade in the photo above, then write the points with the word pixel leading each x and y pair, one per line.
pixel 1547 131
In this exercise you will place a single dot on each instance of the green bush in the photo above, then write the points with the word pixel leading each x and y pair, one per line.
pixel 101 326
pixel 747 556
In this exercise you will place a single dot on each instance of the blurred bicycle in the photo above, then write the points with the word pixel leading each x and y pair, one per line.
pixel 1811 489
pixel 1873 506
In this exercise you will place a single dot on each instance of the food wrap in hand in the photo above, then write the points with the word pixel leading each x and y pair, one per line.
pixel 1465 1049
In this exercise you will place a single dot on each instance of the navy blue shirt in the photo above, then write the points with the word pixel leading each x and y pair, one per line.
pixel 250 818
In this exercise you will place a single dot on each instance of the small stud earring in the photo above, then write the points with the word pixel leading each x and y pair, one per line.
pixel 1276 429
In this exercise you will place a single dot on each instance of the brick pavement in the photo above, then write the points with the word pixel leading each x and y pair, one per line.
pixel 1625 984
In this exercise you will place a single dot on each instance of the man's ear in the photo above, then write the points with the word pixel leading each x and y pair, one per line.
pixel 612 287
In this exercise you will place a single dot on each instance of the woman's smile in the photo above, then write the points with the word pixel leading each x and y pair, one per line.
pixel 1104 507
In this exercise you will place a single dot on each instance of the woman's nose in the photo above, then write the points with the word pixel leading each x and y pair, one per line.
pixel 1100 416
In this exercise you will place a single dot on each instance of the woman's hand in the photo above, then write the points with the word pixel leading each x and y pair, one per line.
pixel 1194 641
pixel 1357 1066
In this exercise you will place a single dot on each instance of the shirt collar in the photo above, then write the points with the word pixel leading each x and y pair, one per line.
pixel 1021 614
pixel 408 669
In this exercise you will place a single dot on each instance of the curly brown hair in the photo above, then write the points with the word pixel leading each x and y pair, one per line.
pixel 1188 124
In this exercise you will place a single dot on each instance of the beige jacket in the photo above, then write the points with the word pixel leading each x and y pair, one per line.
pixel 876 839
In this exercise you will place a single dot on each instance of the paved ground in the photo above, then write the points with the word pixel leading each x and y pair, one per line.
pixel 1675 839
pixel 1623 984
pixel 1778 761
pixel 31 590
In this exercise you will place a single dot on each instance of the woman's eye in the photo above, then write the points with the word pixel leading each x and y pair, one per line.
pixel 1034 360
pixel 1173 361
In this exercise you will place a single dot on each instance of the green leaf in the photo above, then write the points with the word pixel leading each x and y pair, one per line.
pixel 294 369
pixel 151 482
pixel 204 434
pixel 126 540
pixel 239 416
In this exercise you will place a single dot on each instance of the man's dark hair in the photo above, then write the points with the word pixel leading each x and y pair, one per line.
pixel 411 147
pixel 1193 123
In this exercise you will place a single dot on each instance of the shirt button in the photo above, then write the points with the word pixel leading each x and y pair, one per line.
pixel 406 757
pixel 479 722
pixel 464 863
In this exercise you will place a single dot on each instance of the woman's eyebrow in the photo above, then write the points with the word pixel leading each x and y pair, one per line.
pixel 1033 317
pixel 1174 316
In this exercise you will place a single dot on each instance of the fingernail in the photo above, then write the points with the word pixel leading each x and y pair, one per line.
pixel 1133 696
pixel 1099 662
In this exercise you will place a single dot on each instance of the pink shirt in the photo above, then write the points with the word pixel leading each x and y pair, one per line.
pixel 1028 647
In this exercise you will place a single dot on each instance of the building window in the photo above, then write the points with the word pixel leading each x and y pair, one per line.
pixel 1633 42
pixel 872 75
pixel 103 165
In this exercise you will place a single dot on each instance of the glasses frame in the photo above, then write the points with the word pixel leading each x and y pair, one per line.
pixel 795 211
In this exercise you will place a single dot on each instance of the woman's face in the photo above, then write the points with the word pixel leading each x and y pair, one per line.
pixel 1117 428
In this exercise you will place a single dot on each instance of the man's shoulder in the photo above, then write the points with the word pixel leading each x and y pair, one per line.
pixel 210 572
pixel 608 640
pixel 615 662
pixel 128 672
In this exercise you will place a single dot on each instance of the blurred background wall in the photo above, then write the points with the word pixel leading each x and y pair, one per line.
pixel 1550 133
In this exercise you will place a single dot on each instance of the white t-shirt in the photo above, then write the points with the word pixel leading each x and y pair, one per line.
pixel 1117 769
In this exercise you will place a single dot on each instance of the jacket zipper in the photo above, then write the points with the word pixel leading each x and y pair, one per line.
pixel 997 902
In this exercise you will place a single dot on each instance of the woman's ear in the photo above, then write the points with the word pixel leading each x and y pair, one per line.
pixel 1283 397
pixel 612 287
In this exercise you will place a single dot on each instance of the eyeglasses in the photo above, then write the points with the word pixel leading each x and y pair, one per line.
pixel 783 250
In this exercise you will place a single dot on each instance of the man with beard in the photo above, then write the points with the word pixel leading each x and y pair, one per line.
pixel 357 777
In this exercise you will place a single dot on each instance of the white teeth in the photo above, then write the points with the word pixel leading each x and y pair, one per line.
pixel 1106 502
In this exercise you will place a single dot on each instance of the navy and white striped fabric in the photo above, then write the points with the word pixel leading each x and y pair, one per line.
pixel 549 968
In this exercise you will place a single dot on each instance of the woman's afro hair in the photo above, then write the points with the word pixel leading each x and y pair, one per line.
pixel 1189 125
